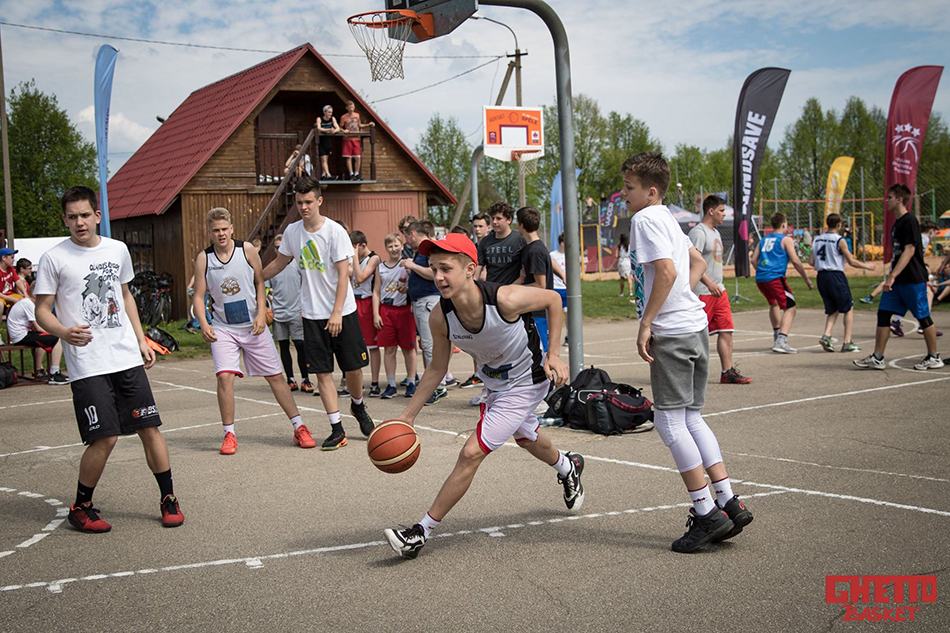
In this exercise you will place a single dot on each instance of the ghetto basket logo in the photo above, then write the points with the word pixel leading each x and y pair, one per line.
pixel 230 286
pixel 880 598
pixel 907 138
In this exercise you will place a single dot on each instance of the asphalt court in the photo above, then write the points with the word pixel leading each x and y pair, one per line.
pixel 845 470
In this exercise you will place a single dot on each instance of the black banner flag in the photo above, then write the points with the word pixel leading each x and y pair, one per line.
pixel 758 104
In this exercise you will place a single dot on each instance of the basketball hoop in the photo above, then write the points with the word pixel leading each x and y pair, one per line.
pixel 382 36
pixel 527 160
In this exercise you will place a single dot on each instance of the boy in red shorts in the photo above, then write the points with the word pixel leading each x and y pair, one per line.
pixel 352 147
pixel 393 317
pixel 365 265
pixel 705 237
pixel 770 259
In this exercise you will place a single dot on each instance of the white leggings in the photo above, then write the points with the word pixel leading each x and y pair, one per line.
pixel 688 437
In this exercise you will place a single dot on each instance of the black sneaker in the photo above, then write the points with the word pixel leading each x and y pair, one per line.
pixel 740 516
pixel 374 391
pixel 440 392
pixel 703 529
pixel 407 542
pixel 58 379
pixel 359 412
pixel 473 381
pixel 573 488
pixel 335 441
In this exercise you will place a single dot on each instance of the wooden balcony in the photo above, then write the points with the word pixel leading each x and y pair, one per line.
pixel 273 150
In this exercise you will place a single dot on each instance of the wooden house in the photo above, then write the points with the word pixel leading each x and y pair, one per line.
pixel 226 146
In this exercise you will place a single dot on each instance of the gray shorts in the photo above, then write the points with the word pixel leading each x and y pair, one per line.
pixel 679 370
pixel 284 330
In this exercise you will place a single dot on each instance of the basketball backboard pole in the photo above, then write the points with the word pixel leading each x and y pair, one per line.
pixel 565 115
pixel 473 177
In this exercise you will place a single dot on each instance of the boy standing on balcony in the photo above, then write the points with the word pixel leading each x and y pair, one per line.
pixel 352 146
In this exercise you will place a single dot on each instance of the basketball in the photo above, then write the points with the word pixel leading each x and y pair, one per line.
pixel 393 446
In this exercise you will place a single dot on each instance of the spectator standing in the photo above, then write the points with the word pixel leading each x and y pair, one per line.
pixel 327 125
pixel 365 265
pixel 288 324
pixel 352 146
pixel 499 253
pixel 536 262
pixel 393 317
pixel 623 266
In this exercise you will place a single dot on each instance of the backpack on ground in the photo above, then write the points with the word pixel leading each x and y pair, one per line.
pixel 618 408
pixel 569 402
pixel 163 338
pixel 8 375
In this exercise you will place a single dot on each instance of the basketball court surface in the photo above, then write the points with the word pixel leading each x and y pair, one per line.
pixel 845 470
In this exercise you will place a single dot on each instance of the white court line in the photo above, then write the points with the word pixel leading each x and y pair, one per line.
pixel 46 402
pixel 848 468
pixel 33 540
pixel 52 525
pixel 254 562
pixel 246 399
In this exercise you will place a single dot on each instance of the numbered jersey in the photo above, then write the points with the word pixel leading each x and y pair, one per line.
pixel 773 260
pixel 826 248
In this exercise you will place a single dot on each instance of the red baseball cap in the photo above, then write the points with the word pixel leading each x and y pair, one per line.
pixel 453 243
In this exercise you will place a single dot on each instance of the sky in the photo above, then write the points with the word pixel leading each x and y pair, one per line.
pixel 678 66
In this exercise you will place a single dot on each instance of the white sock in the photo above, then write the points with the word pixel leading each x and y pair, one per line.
pixel 391 381
pixel 723 490
pixel 357 401
pixel 562 465
pixel 334 418
pixel 53 371
pixel 228 428
pixel 702 501
pixel 296 421
pixel 428 524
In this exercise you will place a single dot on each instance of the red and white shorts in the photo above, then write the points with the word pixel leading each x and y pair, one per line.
pixel 777 292
pixel 510 413
pixel 259 352
pixel 718 313
pixel 364 310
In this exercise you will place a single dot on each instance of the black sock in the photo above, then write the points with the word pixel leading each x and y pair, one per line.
pixel 165 483
pixel 337 428
pixel 83 494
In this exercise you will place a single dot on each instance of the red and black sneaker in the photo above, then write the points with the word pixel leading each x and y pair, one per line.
pixel 85 518
pixel 171 513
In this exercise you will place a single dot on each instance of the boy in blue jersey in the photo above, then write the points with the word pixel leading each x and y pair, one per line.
pixel 770 259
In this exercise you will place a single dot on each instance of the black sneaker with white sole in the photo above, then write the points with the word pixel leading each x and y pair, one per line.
pixel 703 529
pixel 573 488
pixel 362 416
pixel 739 514
pixel 407 542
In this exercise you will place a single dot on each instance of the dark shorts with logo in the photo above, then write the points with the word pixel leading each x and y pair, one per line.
pixel 348 346
pixel 114 404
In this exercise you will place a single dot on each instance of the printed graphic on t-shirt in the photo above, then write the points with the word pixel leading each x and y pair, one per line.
pixel 100 299
pixel 638 282
pixel 310 258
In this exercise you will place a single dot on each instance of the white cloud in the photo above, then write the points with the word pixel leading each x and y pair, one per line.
pixel 123 131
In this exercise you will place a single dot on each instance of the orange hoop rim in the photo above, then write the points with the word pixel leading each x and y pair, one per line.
pixel 518 154
pixel 407 17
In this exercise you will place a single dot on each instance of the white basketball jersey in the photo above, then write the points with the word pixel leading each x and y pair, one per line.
pixel 231 284
pixel 827 255
pixel 508 354
pixel 365 289
pixel 389 281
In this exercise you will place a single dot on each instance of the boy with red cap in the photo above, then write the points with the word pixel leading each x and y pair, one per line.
pixel 493 324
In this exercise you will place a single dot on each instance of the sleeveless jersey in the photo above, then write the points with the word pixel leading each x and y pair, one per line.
pixel 773 260
pixel 365 289
pixel 231 284
pixel 389 281
pixel 827 255
pixel 508 354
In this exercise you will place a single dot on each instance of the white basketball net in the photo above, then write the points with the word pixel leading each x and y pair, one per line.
pixel 382 37
pixel 527 162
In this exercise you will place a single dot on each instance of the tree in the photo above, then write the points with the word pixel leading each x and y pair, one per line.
pixel 47 156
pixel 444 150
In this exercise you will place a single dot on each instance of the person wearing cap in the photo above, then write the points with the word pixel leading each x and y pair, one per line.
pixel 12 286
pixel 492 323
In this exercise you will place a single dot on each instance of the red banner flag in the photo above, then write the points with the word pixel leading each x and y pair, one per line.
pixel 906 128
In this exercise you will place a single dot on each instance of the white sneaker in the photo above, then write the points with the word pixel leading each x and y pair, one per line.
pixel 869 362
pixel 929 362
pixel 782 347
pixel 480 399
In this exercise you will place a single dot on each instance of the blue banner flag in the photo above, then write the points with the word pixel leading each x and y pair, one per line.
pixel 105 67
pixel 557 209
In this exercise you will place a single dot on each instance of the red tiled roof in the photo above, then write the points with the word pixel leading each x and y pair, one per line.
pixel 149 181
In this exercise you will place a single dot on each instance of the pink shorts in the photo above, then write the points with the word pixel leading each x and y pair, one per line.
pixel 510 413
pixel 260 353
pixel 718 313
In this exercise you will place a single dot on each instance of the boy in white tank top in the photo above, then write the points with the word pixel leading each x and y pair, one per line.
pixel 231 271
pixel 493 324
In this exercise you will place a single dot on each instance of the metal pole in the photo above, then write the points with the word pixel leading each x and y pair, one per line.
pixel 864 226
pixel 7 190
pixel 565 116
pixel 473 177
pixel 775 184
pixel 521 188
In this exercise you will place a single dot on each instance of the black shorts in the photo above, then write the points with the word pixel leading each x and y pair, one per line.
pixel 35 339
pixel 114 404
pixel 835 291
pixel 348 346
pixel 325 147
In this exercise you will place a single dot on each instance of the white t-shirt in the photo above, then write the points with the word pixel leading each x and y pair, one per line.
pixel 316 254
pixel 87 284
pixel 19 318
pixel 558 256
pixel 655 235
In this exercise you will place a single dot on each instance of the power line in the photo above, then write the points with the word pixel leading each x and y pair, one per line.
pixel 438 83
pixel 217 48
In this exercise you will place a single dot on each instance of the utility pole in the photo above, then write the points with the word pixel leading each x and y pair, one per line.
pixel 7 193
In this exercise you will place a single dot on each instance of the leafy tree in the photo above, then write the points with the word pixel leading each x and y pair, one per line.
pixel 47 156
pixel 444 150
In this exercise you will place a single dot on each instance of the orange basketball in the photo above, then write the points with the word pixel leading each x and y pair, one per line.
pixel 393 446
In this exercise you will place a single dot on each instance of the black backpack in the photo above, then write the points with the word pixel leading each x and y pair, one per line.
pixel 618 408
pixel 8 375
pixel 569 402
pixel 163 338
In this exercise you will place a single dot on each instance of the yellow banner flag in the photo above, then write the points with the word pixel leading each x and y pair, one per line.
pixel 837 181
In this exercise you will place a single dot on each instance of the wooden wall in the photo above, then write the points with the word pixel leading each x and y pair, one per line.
pixel 375 214
pixel 232 166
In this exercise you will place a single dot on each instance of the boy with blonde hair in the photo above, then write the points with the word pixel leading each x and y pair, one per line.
pixel 393 317
pixel 352 146
pixel 674 339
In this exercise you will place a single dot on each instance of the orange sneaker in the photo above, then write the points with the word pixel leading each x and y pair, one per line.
pixel 230 444
pixel 171 512
pixel 302 437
